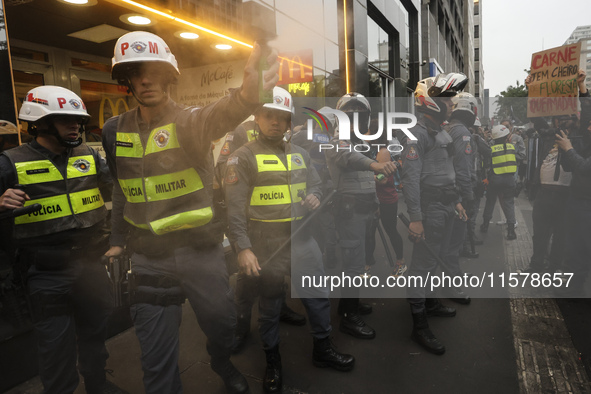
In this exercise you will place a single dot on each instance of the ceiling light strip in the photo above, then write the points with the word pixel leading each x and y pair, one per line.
pixel 184 22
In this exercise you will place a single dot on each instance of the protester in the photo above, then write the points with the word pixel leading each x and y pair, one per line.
pixel 388 200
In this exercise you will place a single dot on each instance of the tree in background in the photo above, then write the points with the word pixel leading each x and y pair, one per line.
pixel 512 104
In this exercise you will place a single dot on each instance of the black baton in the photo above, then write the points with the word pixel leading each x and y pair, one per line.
pixel 20 211
pixel 302 225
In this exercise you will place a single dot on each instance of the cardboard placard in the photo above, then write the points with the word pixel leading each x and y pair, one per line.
pixel 554 89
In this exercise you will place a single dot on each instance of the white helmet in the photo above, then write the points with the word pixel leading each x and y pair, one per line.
pixel 281 100
pixel 351 99
pixel 140 46
pixel 499 131
pixel 465 102
pixel 51 100
pixel 464 108
pixel 443 85
pixel 357 103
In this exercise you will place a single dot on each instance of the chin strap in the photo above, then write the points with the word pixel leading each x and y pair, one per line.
pixel 65 143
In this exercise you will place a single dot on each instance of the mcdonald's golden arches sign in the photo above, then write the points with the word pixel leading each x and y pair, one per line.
pixel 295 67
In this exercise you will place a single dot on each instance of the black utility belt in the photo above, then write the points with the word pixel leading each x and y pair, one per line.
pixel 146 243
pixel 56 259
pixel 445 195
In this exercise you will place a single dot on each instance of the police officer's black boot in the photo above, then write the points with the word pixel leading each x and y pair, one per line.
pixel 435 308
pixel 351 322
pixel 511 232
pixel 220 363
pixel 422 335
pixel 273 380
pixel 325 355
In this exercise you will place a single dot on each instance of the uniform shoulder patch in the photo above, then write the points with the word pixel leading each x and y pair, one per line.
pixel 232 161
pixel 297 159
pixel 412 153
pixel 230 137
pixel 225 149
pixel 343 144
pixel 231 176
pixel 468 149
pixel 466 138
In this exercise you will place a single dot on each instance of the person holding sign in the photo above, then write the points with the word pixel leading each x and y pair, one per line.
pixel 578 212
pixel 552 88
pixel 552 185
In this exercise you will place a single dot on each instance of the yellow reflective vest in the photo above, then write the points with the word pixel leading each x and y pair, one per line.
pixel 503 159
pixel 164 192
pixel 69 202
pixel 277 192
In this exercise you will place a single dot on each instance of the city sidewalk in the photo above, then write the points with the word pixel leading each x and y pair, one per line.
pixel 493 345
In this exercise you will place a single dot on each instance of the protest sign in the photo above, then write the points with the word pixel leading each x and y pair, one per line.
pixel 554 89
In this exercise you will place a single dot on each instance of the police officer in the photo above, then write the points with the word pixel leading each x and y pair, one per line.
pixel 246 291
pixel 463 116
pixel 501 180
pixel 520 152
pixel 480 153
pixel 160 155
pixel 352 174
pixel 428 177
pixel 244 133
pixel 270 186
pixel 62 243
pixel 324 230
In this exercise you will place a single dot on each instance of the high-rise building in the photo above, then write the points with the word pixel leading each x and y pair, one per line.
pixel 442 36
pixel 468 45
pixel 478 64
pixel 583 34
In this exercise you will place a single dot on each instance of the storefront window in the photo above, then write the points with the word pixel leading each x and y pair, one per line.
pixel 103 100
pixel 23 82
pixel 378 46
